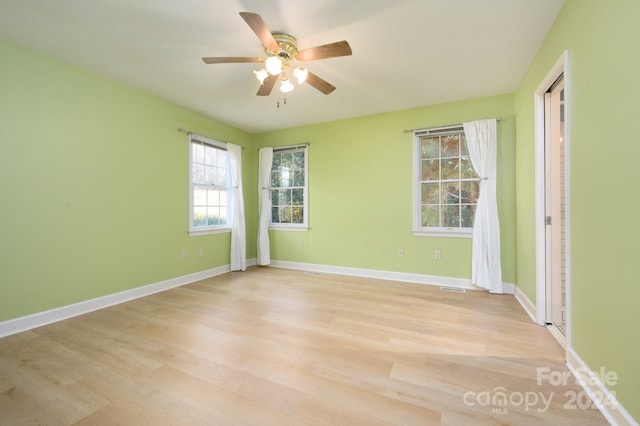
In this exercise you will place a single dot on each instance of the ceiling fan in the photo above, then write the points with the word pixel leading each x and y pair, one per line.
pixel 282 53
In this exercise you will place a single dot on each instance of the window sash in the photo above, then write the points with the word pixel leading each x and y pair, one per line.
pixel 433 203
pixel 289 189
pixel 209 186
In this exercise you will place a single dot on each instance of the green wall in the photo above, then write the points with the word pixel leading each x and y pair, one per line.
pixel 603 94
pixel 94 186
pixel 360 192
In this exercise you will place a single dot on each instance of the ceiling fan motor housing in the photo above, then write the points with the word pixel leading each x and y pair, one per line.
pixel 288 46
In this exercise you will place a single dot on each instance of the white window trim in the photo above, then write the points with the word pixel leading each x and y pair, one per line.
pixel 296 227
pixel 445 232
pixel 213 229
pixel 418 230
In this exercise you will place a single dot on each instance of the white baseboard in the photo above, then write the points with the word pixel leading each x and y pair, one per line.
pixel 527 305
pixel 462 283
pixel 39 319
pixel 612 410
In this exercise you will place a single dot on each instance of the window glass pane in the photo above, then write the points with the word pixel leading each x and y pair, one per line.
pixel 274 197
pixel 466 168
pixel 209 155
pixel 297 197
pixel 199 216
pixel 275 217
pixel 430 147
pixel 221 159
pixel 431 216
pixel 197 152
pixel 198 173
pixel 213 197
pixel 209 175
pixel 468 214
pixel 451 216
pixel 297 215
pixel 286 177
pixel 213 216
pixel 222 214
pixel 298 159
pixel 430 169
pixel 287 160
pixel 451 193
pixel 221 177
pixel 430 193
pixel 199 195
pixel 284 198
pixel 276 160
pixel 285 214
pixel 450 168
pixel 464 152
pixel 469 192
pixel 275 178
pixel 223 199
pixel 298 177
pixel 450 145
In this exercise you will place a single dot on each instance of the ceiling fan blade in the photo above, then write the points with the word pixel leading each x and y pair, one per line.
pixel 229 60
pixel 320 84
pixel 262 31
pixel 267 85
pixel 340 48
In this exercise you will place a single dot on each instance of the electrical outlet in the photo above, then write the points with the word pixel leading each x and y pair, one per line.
pixel 436 255
pixel 201 252
pixel 400 252
pixel 184 255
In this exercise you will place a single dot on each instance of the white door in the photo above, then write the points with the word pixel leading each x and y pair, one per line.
pixel 555 206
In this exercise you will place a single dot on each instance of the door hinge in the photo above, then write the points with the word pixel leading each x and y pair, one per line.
pixel 547 220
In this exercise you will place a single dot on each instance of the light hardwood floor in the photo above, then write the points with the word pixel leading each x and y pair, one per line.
pixel 280 347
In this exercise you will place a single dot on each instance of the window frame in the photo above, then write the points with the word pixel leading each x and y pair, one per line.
pixel 304 226
pixel 209 229
pixel 418 229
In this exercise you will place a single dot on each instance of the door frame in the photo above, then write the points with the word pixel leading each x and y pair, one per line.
pixel 561 67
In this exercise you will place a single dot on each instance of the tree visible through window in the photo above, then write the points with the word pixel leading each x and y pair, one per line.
pixel 289 186
pixel 448 186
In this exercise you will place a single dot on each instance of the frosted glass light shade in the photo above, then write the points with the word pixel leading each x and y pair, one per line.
pixel 273 65
pixel 300 74
pixel 261 75
pixel 286 86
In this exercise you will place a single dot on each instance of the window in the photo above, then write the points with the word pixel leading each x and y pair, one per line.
pixel 209 186
pixel 289 188
pixel 446 186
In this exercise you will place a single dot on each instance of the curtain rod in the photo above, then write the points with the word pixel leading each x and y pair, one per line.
pixel 440 127
pixel 282 148
pixel 189 132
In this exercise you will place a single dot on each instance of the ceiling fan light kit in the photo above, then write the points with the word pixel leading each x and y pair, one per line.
pixel 282 54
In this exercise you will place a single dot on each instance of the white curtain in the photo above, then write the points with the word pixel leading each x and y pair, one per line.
pixel 264 204
pixel 238 255
pixel 486 271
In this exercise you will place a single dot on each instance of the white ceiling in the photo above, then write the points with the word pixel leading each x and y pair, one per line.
pixel 406 53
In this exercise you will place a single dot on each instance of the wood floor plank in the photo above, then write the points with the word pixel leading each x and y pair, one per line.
pixel 280 347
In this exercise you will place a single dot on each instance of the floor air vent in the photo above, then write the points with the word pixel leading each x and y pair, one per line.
pixel 453 289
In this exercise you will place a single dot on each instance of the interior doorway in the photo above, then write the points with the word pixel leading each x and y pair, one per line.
pixel 553 295
pixel 555 207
